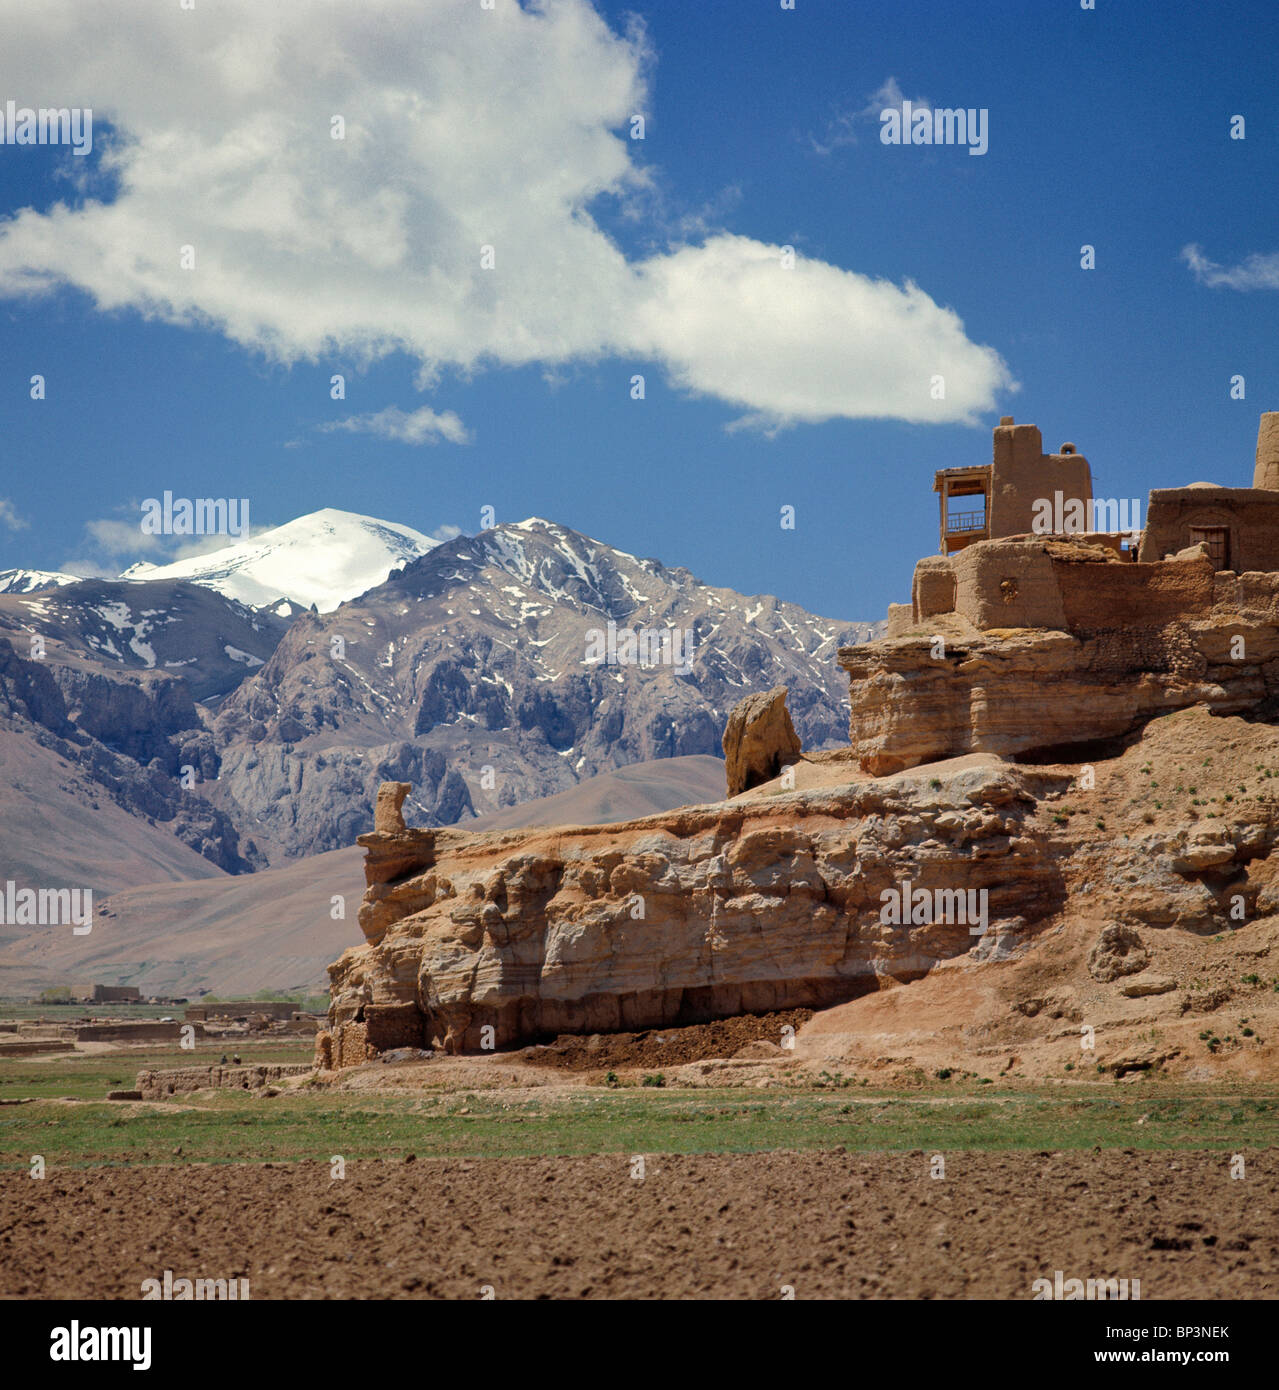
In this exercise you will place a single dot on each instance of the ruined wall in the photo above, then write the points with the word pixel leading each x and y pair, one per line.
pixel 157 1085
pixel 900 619
pixel 1255 597
pixel 33 1048
pixel 933 588
pixel 1064 585
pixel 140 1031
pixel 345 1045
pixel 1250 515
pixel 1097 597
pixel 1008 583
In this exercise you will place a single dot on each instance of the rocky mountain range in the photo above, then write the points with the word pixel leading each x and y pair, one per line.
pixel 113 680
pixel 17 581
pixel 489 670
pixel 498 668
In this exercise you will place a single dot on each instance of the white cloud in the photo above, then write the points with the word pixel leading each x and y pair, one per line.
pixel 843 128
pixel 84 568
pixel 1255 272
pixel 111 544
pixel 464 128
pixel 114 537
pixel 422 426
pixel 838 343
pixel 9 517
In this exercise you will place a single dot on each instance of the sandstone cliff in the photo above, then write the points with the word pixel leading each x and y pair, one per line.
pixel 765 903
pixel 1138 893
pixel 1078 648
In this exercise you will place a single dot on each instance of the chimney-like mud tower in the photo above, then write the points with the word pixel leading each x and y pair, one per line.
pixel 986 501
pixel 1265 473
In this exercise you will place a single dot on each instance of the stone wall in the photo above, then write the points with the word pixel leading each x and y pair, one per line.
pixel 900 619
pixel 932 590
pixel 143 1030
pixel 33 1047
pixel 1062 585
pixel 1097 597
pixel 157 1085
pixel 345 1045
pixel 1008 583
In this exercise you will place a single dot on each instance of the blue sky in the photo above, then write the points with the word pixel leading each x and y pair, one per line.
pixel 1108 127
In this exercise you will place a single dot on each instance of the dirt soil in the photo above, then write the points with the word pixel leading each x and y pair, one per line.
pixel 665 1047
pixel 831 1225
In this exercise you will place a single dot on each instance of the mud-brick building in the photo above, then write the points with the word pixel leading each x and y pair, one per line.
pixel 989 500
pixel 1022 636
pixel 1237 526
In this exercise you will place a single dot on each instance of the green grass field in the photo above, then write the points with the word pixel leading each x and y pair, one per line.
pixel 70 1124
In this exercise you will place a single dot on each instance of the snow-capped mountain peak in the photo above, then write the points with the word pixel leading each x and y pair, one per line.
pixel 324 558
pixel 31 581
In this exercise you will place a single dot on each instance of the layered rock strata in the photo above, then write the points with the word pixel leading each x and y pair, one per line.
pixel 1070 646
pixel 495 940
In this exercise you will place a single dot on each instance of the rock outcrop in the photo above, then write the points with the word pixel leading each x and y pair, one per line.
pixel 388 815
pixel 476 941
pixel 1119 951
pixel 949 686
pixel 759 740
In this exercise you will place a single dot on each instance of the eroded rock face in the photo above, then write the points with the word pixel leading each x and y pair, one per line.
pixel 693 915
pixel 388 815
pixel 914 700
pixel 759 740
pixel 1119 951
